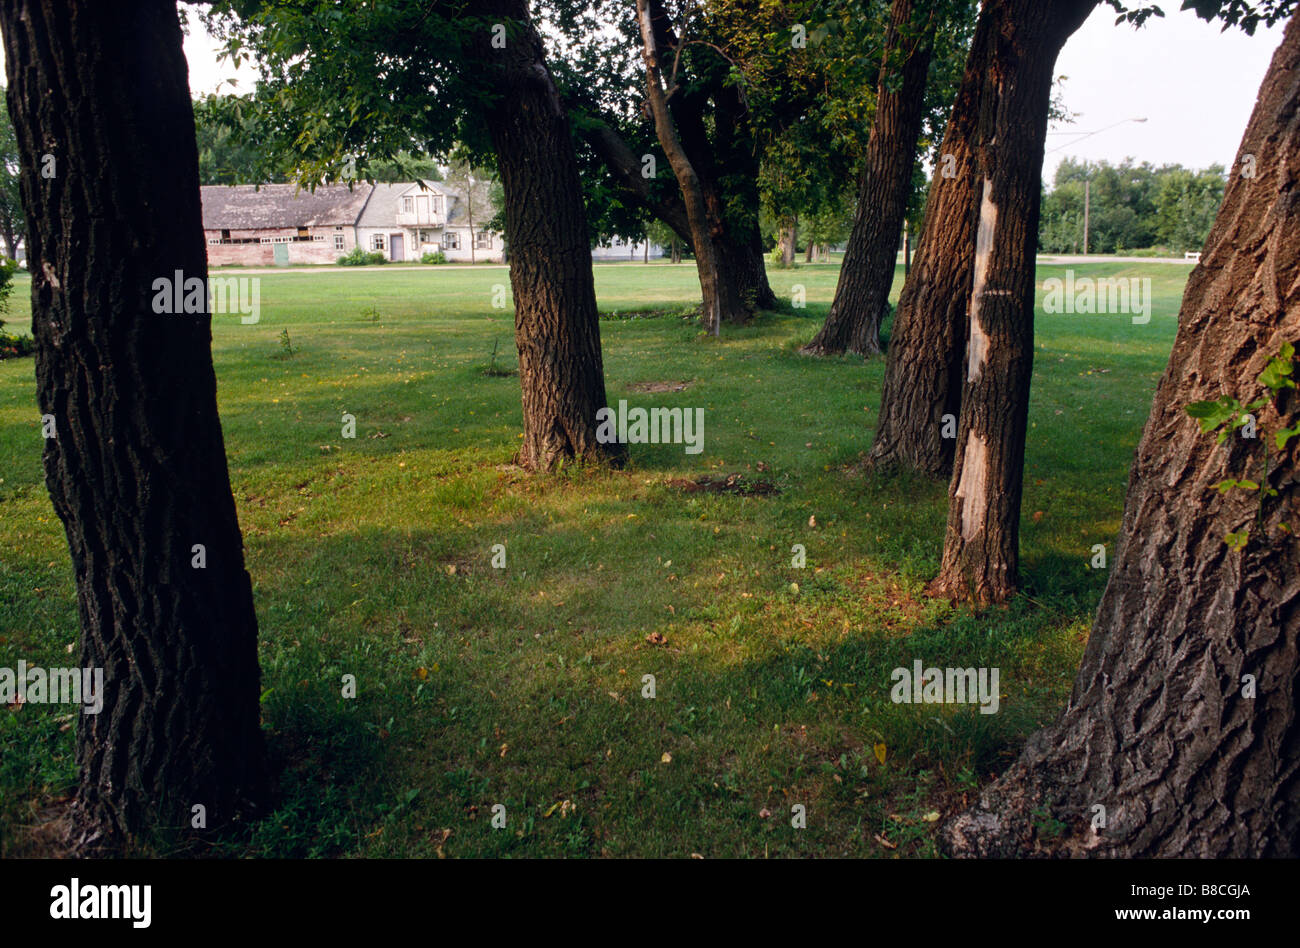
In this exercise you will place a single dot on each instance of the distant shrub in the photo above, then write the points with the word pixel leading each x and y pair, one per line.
pixel 11 346
pixel 434 256
pixel 357 257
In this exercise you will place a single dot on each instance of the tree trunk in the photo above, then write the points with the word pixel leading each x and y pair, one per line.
pixel 626 170
pixel 981 546
pixel 867 274
pixel 923 372
pixel 137 471
pixel 722 299
pixel 907 252
pixel 786 240
pixel 1182 722
pixel 742 257
pixel 677 251
pixel 739 248
pixel 557 330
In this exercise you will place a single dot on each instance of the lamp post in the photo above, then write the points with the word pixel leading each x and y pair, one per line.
pixel 1087 181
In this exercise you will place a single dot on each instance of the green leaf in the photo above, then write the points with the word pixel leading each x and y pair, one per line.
pixel 1236 541
pixel 1277 374
pixel 1212 414
pixel 1226 485
pixel 1286 434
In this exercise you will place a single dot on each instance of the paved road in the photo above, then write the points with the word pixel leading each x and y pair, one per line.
pixel 1100 258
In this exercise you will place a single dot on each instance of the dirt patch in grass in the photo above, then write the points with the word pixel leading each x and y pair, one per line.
pixel 661 386
pixel 728 484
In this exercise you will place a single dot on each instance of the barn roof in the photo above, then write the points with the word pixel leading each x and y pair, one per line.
pixel 255 207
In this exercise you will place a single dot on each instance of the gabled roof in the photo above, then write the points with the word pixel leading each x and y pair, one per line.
pixel 254 207
pixel 381 210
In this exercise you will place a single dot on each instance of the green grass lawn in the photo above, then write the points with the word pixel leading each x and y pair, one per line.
pixel 523 686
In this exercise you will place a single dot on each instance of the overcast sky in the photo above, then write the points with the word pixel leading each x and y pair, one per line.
pixel 1194 85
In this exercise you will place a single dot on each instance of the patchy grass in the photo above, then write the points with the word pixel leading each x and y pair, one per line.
pixel 523 686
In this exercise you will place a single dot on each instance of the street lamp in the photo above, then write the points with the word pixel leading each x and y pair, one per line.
pixel 1087 181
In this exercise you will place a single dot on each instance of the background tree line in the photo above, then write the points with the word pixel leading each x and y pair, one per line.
pixel 1130 207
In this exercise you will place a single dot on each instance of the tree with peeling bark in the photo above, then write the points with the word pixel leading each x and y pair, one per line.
pixel 981 550
pixel 867 272
pixel 136 468
pixel 1180 737
pixel 922 385
pixel 471 73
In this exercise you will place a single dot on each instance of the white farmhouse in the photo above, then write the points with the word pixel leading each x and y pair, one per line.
pixel 407 220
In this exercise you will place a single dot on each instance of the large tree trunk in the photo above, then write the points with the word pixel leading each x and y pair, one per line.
pixel 1182 723
pixel 722 297
pixel 137 472
pixel 786 238
pixel 738 247
pixel 867 273
pixel 740 251
pixel 557 330
pixel 923 371
pixel 981 544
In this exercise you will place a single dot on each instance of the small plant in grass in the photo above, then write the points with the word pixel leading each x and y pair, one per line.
pixel 371 313
pixel 286 345
pixel 433 257
pixel 493 370
pixel 1226 414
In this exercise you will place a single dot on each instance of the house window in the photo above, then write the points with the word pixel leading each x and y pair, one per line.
pixel 225 234
pixel 483 240
pixel 338 241
pixel 408 205
pixel 451 240
pixel 426 237
pixel 377 242
pixel 214 240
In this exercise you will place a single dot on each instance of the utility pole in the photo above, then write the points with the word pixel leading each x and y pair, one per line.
pixel 1087 202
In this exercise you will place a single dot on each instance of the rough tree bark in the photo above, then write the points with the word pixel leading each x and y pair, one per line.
pixel 722 298
pixel 557 330
pixel 137 471
pixel 923 369
pixel 1161 729
pixel 982 539
pixel 787 236
pixel 867 273
pixel 739 247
